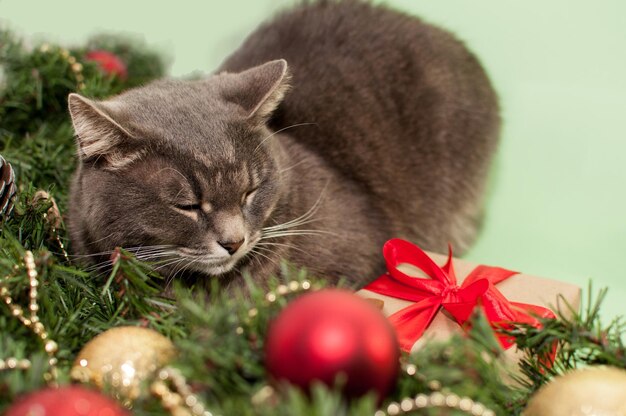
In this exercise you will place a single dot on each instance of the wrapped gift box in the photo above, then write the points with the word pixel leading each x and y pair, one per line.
pixel 429 293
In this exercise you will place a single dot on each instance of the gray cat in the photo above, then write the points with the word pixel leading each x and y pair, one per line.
pixel 334 127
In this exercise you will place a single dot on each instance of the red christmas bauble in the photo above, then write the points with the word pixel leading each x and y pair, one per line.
pixel 66 401
pixel 331 332
pixel 108 62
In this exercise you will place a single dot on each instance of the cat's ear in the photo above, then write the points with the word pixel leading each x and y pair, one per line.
pixel 259 90
pixel 98 135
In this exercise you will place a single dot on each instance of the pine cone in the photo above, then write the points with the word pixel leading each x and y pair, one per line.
pixel 7 188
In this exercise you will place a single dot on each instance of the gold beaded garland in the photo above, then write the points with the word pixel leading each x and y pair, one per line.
pixel 75 67
pixel 53 218
pixel 263 396
pixel 283 290
pixel 436 399
pixel 14 364
pixel 30 321
pixel 270 297
pixel 180 401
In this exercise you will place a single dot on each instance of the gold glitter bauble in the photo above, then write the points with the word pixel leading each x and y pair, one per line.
pixel 122 359
pixel 590 391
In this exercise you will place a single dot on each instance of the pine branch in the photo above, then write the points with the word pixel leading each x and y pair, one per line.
pixel 581 340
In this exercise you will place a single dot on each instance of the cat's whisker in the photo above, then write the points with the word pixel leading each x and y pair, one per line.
pixel 142 251
pixel 110 252
pixel 289 226
pixel 156 258
pixel 266 249
pixel 106 237
pixel 105 271
pixel 174 264
pixel 143 254
pixel 168 263
pixel 185 265
pixel 99 266
pixel 86 256
pixel 304 217
pixel 201 257
pixel 140 248
pixel 280 172
pixel 271 256
pixel 290 246
pixel 177 269
pixel 293 223
pixel 257 252
pixel 281 130
pixel 294 233
pixel 154 255
pixel 189 264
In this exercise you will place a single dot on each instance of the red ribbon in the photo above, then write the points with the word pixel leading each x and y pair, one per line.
pixel 442 290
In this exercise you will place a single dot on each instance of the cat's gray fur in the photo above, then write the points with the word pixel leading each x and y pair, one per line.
pixel 403 125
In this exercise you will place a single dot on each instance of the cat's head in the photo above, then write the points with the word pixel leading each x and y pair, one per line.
pixel 182 169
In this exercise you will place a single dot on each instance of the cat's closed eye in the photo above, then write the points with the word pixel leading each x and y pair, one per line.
pixel 189 207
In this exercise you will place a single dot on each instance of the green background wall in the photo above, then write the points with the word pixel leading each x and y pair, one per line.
pixel 557 202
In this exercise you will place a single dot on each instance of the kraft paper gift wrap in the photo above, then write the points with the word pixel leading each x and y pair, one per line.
pixel 433 293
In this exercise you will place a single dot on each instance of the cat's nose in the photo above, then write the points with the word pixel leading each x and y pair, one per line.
pixel 231 246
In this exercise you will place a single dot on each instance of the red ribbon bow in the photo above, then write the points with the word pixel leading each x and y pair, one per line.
pixel 442 290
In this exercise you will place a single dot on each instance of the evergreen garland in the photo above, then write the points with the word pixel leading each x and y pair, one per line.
pixel 220 342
